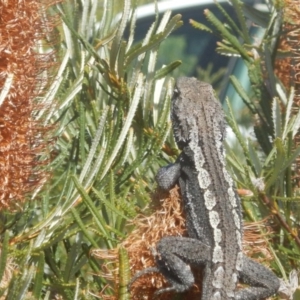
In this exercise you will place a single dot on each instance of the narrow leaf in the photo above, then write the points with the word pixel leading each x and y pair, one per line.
pixel 99 220
pixel 39 275
pixel 4 252
pixel 226 34
pixel 254 158
pixel 163 72
pixel 71 260
pixel 270 70
pixel 243 94
pixel 117 40
pixel 200 26
pixel 109 205
pixel 276 116
pixel 127 124
pixel 278 164
pixel 232 123
pixel 237 4
pixel 124 274
pixel 95 144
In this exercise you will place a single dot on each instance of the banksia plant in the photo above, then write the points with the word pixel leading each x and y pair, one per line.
pixel 263 169
pixel 96 118
pixel 25 74
pixel 107 129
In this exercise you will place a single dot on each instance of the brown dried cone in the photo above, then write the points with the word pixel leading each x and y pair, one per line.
pixel 167 220
pixel 24 76
pixel 288 68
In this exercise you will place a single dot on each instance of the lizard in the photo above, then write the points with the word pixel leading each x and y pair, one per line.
pixel 211 204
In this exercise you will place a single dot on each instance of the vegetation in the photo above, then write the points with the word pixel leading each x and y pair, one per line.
pixel 105 105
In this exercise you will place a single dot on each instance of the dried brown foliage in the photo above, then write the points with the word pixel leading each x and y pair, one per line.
pixel 288 69
pixel 22 138
pixel 167 220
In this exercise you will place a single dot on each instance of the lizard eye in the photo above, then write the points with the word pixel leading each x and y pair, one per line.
pixel 176 90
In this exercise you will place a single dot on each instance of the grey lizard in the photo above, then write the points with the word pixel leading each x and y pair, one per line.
pixel 212 206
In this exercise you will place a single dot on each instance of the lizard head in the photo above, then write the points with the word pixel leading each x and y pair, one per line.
pixel 194 105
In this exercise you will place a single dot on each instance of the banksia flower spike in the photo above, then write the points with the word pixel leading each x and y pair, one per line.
pixel 288 68
pixel 24 75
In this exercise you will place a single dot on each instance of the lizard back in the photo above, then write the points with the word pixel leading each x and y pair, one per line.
pixel 212 207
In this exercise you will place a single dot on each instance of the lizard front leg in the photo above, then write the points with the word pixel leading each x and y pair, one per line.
pixel 167 176
pixel 174 257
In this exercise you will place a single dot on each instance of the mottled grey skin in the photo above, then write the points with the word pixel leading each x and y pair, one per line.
pixel 212 207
